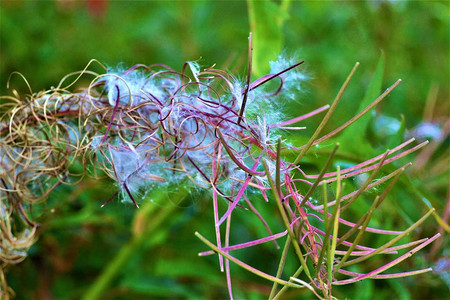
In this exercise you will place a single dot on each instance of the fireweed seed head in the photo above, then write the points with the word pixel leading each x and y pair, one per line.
pixel 292 80
pixel 127 89
pixel 138 170
pixel 183 120
pixel 195 68
pixel 237 91
pixel 151 125
pixel 137 85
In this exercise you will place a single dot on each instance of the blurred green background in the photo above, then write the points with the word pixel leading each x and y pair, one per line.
pixel 44 40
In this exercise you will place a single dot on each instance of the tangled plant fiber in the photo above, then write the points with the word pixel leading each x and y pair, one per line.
pixel 151 125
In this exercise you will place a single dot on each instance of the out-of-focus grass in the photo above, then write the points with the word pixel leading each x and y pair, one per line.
pixel 46 40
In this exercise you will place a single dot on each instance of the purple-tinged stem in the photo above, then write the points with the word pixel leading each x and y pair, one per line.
pixel 362 231
pixel 244 265
pixel 236 160
pixel 391 242
pixel 227 262
pixel 266 226
pixel 215 207
pixel 358 116
pixel 284 216
pixel 325 119
pixel 391 250
pixel 388 265
pixel 116 106
pixel 300 118
pixel 216 217
pixel 365 163
pixel 388 276
pixel 248 244
pixel 378 182
pixel 281 265
pixel 351 224
pixel 267 78
pixel 129 194
pixel 239 195
pixel 110 198
pixel 345 243
pixel 249 75
pixel 319 179
pixel 387 161
pixel 367 182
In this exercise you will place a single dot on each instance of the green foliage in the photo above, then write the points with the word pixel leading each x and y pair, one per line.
pixel 356 133
pixel 266 21
pixel 79 241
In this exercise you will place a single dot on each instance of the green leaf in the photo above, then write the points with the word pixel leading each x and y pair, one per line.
pixel 195 268
pixel 355 134
pixel 156 287
pixel 363 289
pixel 401 290
pixel 266 20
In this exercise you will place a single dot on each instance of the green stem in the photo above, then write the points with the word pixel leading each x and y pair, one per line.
pixel 102 282
pixel 280 266
pixel 276 194
pixel 284 288
pixel 131 248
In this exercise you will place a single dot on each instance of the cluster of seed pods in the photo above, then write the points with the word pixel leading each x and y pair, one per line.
pixel 152 125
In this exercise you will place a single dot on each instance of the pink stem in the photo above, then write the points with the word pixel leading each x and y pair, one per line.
pixel 239 195
pixel 301 118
